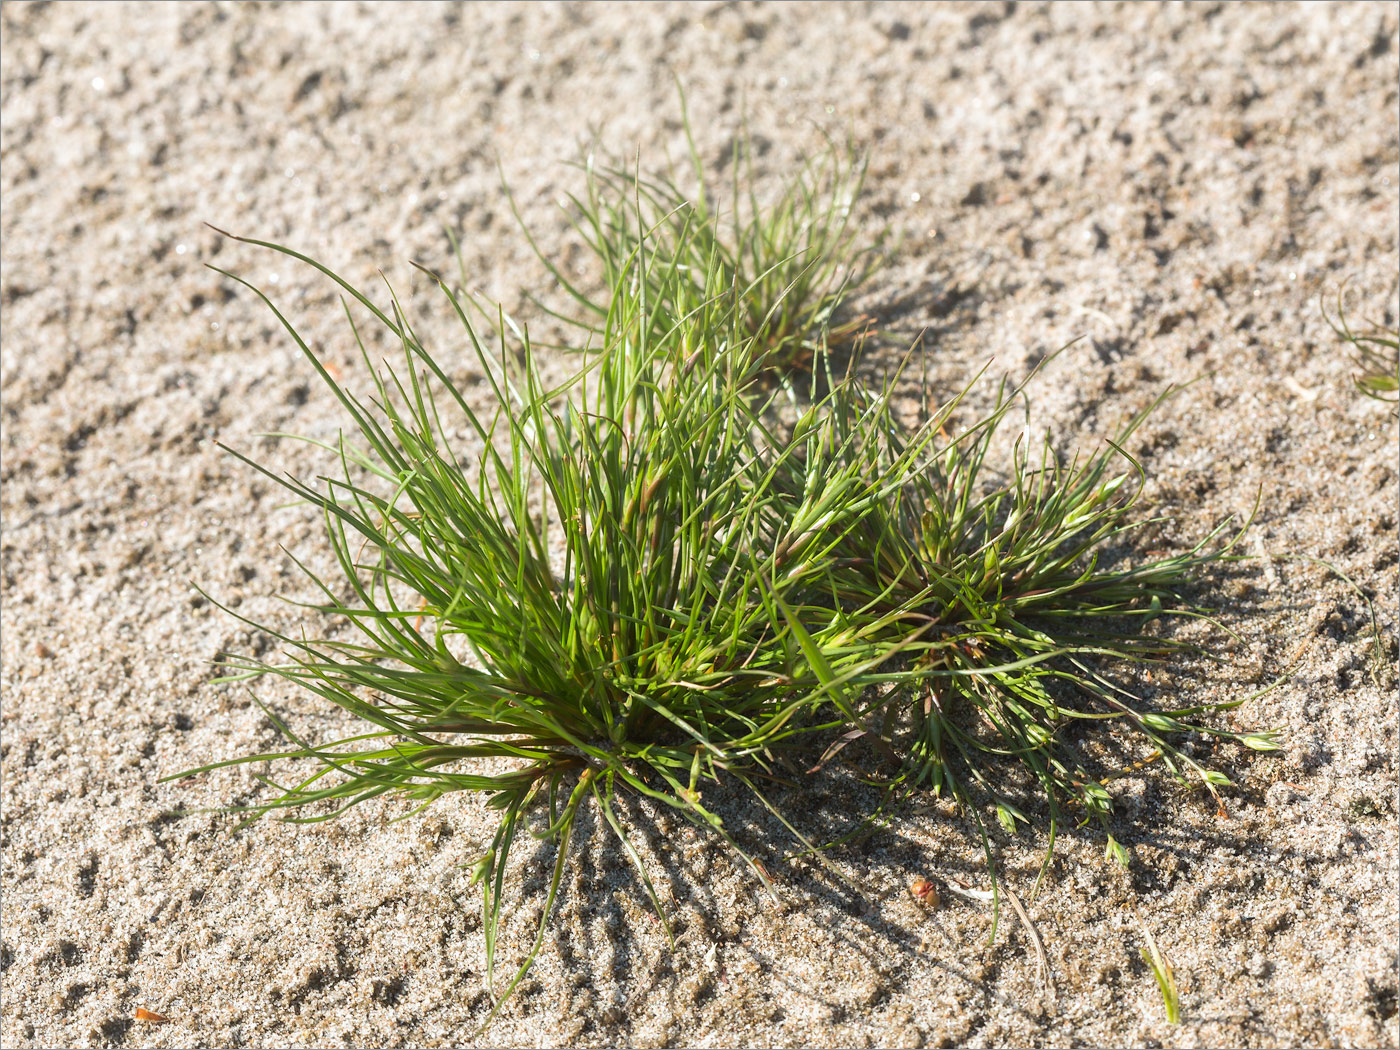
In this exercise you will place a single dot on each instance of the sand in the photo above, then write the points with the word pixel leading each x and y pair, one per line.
pixel 1175 184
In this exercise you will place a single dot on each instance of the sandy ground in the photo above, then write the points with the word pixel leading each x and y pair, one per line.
pixel 1177 184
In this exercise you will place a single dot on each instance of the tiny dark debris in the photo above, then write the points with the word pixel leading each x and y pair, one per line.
pixel 1382 1000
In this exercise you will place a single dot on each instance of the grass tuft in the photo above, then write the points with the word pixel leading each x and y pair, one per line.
pixel 1376 352
pixel 674 570
pixel 789 262
pixel 1005 604
pixel 580 589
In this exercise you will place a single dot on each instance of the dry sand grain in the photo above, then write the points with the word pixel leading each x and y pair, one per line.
pixel 1177 183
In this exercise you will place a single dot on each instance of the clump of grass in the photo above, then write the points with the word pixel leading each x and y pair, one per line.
pixel 642 581
pixel 588 598
pixel 1376 352
pixel 793 260
pixel 1010 597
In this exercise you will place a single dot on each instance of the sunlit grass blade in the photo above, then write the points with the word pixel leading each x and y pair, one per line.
pixel 1376 352
pixel 1166 978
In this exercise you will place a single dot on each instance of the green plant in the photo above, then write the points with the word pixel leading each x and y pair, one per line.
pixel 1011 597
pixel 1376 353
pixel 790 262
pixel 1166 978
pixel 643 580
pixel 589 600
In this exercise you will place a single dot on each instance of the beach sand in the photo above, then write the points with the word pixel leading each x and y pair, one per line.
pixel 1176 185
